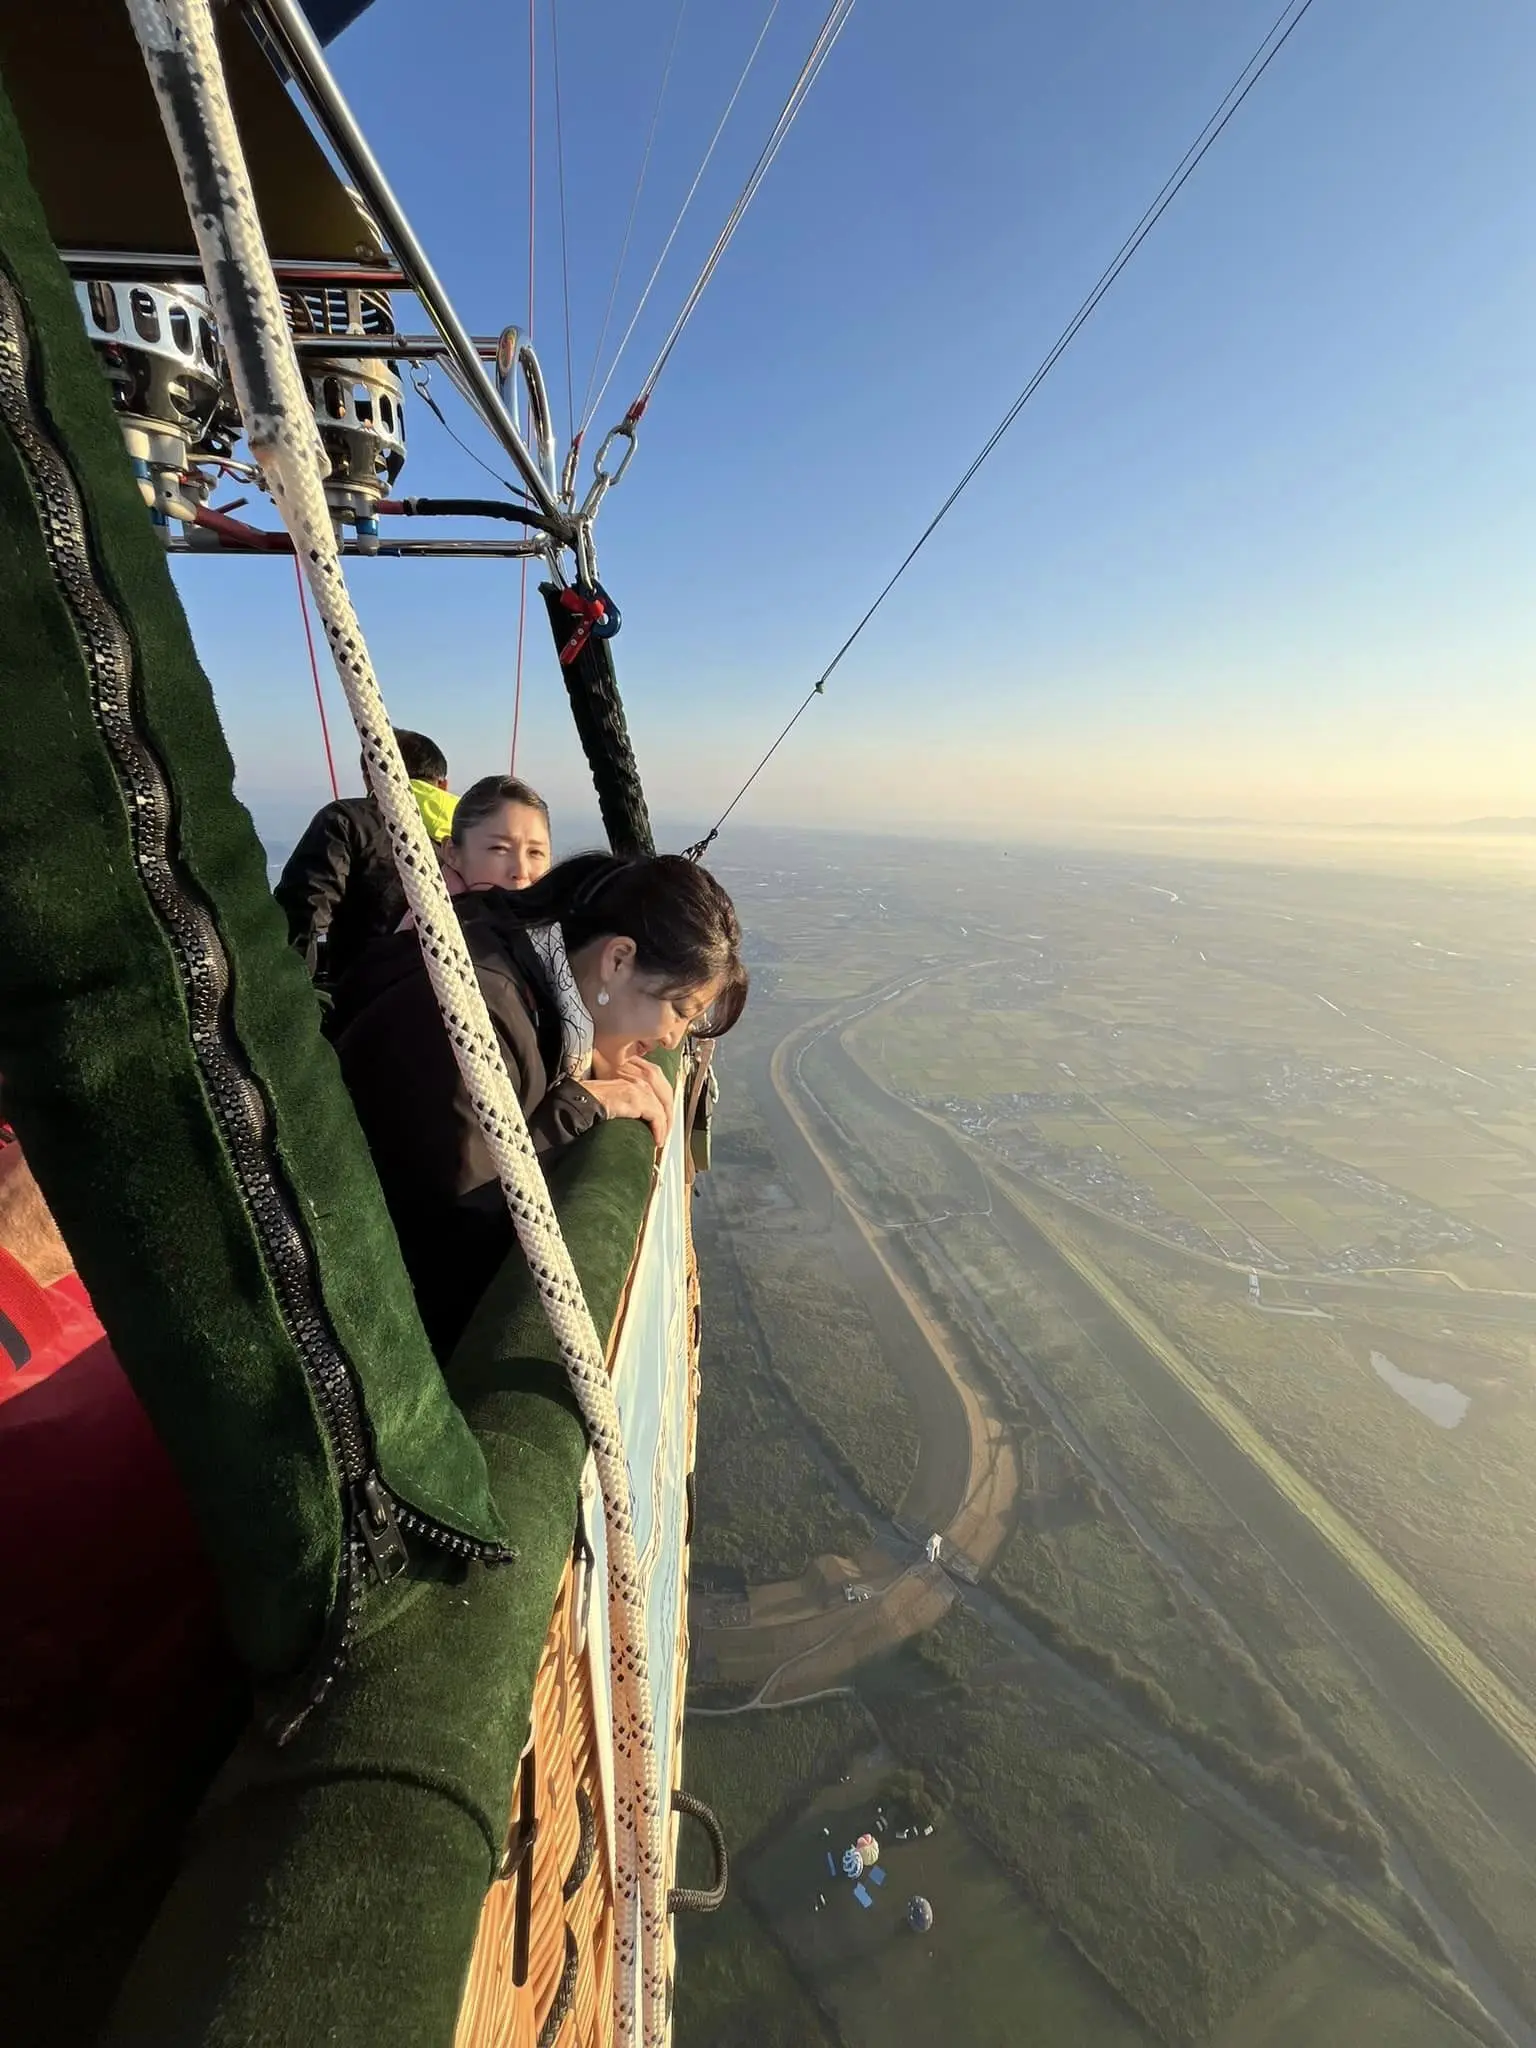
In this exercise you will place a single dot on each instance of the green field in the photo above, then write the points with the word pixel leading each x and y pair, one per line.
pixel 1332 1997
pixel 1229 1056
pixel 1241 1190
pixel 1185 1923
pixel 990 1972
pixel 755 1769
pixel 828 1360
pixel 763 1502
pixel 902 1173
pixel 990 1966
pixel 809 1330
pixel 1487 1862
pixel 1086 1830
pixel 1099 1588
pixel 735 1984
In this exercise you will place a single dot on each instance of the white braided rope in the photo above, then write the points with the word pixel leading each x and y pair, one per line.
pixel 180 49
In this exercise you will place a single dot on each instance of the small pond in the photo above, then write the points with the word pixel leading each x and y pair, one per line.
pixel 1438 1399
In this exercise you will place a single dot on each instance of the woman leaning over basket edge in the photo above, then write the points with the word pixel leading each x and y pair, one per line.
pixel 586 972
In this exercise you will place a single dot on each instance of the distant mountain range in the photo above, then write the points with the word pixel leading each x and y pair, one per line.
pixel 1494 827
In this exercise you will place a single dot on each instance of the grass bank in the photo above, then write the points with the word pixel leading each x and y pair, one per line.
pixel 829 1362
pixel 763 1503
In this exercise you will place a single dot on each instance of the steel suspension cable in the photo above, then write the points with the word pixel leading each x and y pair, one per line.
pixel 565 250
pixel 629 225
pixel 533 153
pixel 1279 35
pixel 422 386
pixel 682 211
pixel 522 577
pixel 821 49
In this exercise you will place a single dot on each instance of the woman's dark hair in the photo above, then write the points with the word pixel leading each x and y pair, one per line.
pixel 684 926
pixel 483 799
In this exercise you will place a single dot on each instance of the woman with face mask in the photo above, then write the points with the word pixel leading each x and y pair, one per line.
pixel 585 972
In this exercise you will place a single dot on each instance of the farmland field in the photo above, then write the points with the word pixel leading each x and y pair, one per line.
pixel 1453 1507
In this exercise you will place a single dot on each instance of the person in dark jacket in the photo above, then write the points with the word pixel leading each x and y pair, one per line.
pixel 584 973
pixel 339 888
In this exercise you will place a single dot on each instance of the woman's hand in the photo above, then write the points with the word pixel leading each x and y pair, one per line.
pixel 634 1088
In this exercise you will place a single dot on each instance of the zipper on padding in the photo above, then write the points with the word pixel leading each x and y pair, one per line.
pixel 375 1522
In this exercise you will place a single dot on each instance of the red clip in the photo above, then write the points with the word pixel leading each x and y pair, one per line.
pixel 591 611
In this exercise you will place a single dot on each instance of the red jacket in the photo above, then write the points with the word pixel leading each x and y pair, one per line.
pixel 118 1691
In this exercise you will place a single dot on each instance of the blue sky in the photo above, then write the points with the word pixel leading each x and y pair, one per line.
pixel 1261 546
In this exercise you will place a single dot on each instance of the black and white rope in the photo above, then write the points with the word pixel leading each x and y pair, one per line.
pixel 179 45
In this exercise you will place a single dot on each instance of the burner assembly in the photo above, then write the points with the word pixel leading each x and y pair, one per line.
pixel 170 387
pixel 161 353
pixel 357 397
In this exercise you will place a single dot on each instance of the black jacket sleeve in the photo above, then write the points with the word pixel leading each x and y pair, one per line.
pixel 566 1111
pixel 435 1167
pixel 555 1114
pixel 315 877
pixel 558 1117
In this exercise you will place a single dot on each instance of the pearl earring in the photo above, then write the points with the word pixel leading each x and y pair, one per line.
pixel 602 997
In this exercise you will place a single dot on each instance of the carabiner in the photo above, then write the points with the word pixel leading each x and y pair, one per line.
pixel 624 431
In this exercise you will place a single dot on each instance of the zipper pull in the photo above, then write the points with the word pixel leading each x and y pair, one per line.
pixel 376 1524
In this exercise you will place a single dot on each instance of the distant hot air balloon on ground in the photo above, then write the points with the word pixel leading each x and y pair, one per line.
pixel 853 1863
pixel 919 1914
pixel 869 1851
